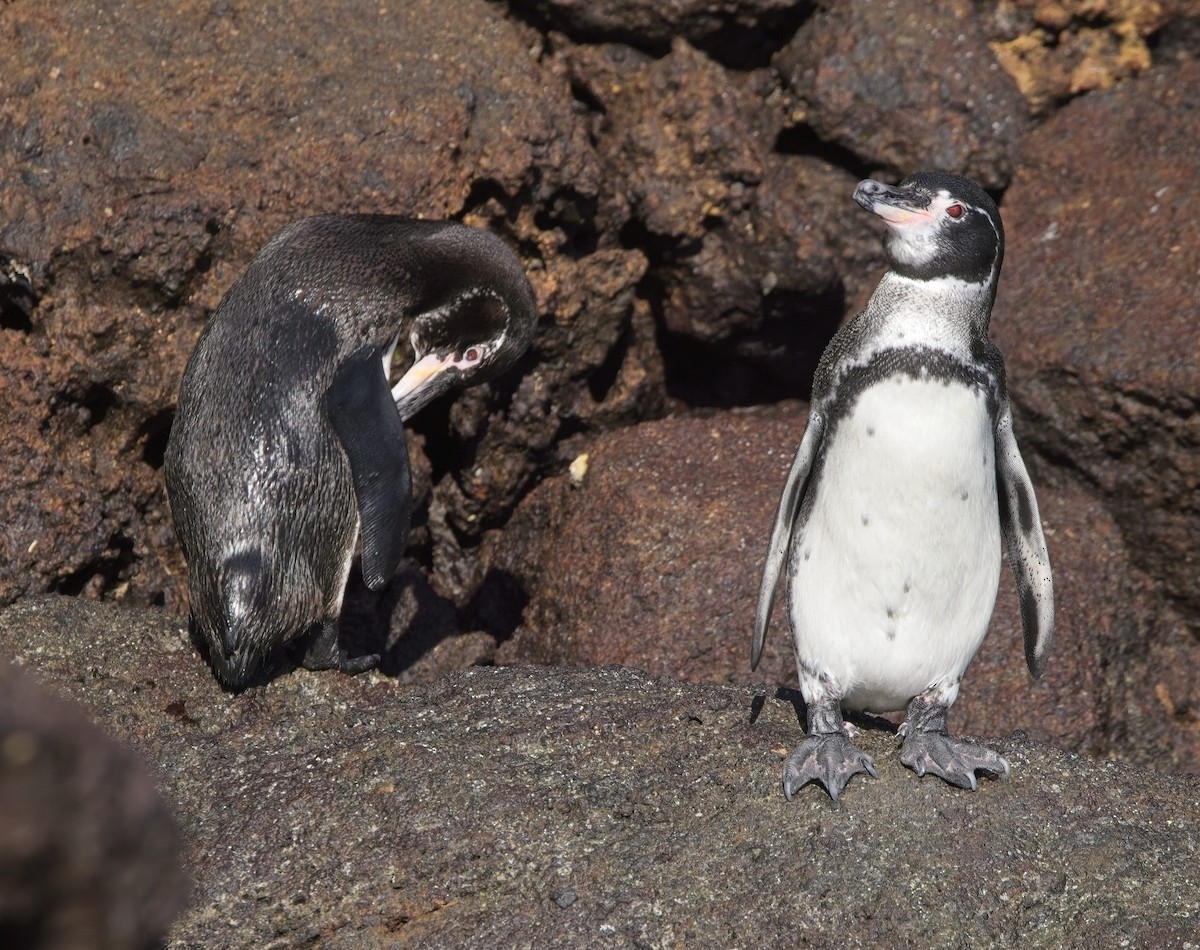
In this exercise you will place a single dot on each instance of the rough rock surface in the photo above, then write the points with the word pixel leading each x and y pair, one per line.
pixel 89 854
pixel 1058 50
pixel 510 807
pixel 653 560
pixel 735 32
pixel 907 85
pixel 1097 314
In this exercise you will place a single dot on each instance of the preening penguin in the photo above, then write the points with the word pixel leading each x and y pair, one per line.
pixel 907 482
pixel 288 441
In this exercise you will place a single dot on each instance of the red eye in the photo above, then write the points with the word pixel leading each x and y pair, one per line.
pixel 473 355
pixel 956 211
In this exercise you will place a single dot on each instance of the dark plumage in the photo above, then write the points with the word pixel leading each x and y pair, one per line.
pixel 288 439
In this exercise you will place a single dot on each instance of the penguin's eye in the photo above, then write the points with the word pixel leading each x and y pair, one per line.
pixel 956 211
pixel 473 355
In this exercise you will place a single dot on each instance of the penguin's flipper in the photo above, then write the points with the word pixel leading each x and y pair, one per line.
pixel 1022 528
pixel 781 533
pixel 362 413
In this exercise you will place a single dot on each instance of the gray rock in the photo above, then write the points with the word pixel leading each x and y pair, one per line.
pixel 552 807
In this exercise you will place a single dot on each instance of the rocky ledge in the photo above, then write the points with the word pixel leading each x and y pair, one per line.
pixel 530 806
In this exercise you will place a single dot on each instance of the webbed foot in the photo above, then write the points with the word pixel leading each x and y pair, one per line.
pixel 827 755
pixel 831 760
pixel 323 651
pixel 929 749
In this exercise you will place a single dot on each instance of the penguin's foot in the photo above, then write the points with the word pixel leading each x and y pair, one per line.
pixel 827 755
pixel 322 651
pixel 830 759
pixel 929 749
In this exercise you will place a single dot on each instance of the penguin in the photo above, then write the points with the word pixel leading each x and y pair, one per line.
pixel 288 441
pixel 907 483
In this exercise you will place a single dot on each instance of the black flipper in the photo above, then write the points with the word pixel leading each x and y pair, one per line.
pixel 363 415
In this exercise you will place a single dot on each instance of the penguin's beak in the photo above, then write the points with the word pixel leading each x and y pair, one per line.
pixel 424 381
pixel 897 206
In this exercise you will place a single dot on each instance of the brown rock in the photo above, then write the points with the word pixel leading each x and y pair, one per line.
pixel 654 561
pixel 731 32
pixel 1096 313
pixel 739 268
pixel 89 856
pixel 681 134
pixel 908 85
pixel 1056 50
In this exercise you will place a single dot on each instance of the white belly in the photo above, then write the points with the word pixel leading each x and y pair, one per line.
pixel 894 574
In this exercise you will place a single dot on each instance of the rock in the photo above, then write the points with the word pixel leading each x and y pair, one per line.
pixel 907 85
pixel 89 855
pixel 735 33
pixel 1057 50
pixel 740 269
pixel 510 807
pixel 654 561
pixel 1096 314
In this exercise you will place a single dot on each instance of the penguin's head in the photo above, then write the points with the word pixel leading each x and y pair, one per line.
pixel 939 225
pixel 471 337
pixel 235 609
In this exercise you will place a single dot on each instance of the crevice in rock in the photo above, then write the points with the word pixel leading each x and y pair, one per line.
pixel 17 297
pixel 801 139
pixel 773 362
pixel 744 42
pixel 488 198
pixel 762 366
pixel 603 378
pixel 746 48
pixel 498 605
pixel 81 410
pixel 575 215
pixel 154 434
pixel 1178 40
pixel 100 576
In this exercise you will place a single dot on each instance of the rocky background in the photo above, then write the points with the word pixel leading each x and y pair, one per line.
pixel 676 177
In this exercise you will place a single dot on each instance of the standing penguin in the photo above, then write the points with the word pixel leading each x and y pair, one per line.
pixel 906 482
pixel 288 441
